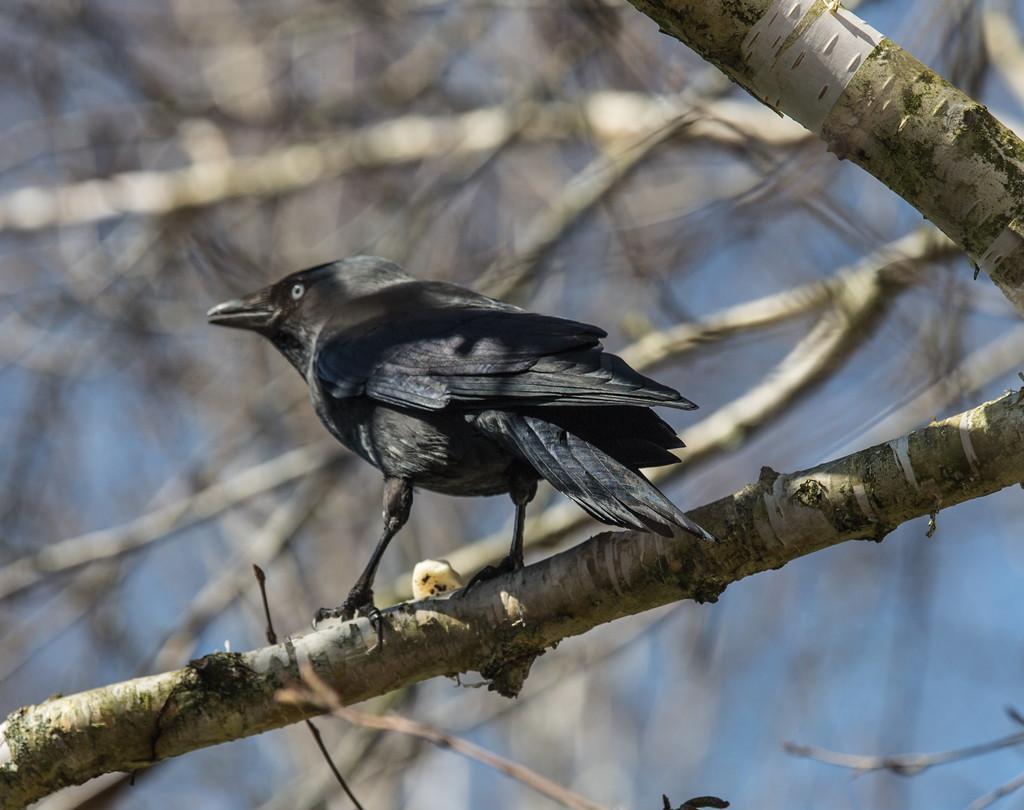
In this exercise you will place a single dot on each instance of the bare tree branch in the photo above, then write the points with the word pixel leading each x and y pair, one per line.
pixel 914 764
pixel 875 104
pixel 319 694
pixel 903 764
pixel 225 696
pixel 607 116
pixel 1004 790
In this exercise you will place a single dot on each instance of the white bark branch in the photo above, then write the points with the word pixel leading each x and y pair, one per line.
pixel 510 620
pixel 875 104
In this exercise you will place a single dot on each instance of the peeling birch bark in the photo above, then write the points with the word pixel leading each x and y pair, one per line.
pixel 875 104
pixel 511 620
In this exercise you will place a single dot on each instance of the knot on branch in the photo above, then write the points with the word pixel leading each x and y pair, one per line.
pixel 766 479
pixel 507 674
pixel 811 493
pixel 223 672
pixel 705 591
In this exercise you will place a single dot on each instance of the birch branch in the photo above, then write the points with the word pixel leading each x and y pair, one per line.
pixel 875 104
pixel 225 696
pixel 1006 52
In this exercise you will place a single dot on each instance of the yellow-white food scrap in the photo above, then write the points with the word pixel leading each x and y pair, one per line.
pixel 434 578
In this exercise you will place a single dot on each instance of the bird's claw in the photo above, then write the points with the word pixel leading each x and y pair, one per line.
pixel 356 604
pixel 322 614
pixel 373 613
pixel 506 566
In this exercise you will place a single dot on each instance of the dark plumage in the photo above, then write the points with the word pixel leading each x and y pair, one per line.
pixel 443 388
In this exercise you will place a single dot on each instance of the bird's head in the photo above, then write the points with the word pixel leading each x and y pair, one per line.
pixel 303 301
pixel 291 312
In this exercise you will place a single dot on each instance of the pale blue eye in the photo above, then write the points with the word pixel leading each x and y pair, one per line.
pixel 297 291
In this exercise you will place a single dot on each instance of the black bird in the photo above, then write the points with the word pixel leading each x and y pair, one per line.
pixel 443 388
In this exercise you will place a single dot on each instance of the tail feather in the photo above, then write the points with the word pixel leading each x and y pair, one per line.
pixel 632 435
pixel 604 487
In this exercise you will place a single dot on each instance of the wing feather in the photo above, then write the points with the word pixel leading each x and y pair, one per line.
pixel 605 488
pixel 471 356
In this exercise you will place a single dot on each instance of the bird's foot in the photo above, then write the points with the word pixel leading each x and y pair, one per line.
pixel 506 566
pixel 357 603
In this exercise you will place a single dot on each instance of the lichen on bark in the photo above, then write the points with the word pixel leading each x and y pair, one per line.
pixel 713 28
pixel 931 144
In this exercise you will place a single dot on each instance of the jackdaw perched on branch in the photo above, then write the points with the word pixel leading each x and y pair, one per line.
pixel 443 388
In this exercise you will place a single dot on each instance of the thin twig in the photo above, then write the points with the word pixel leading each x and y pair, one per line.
pixel 1000 792
pixel 902 764
pixel 319 693
pixel 261 578
pixel 330 763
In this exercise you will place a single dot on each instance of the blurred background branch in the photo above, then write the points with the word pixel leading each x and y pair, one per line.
pixel 158 157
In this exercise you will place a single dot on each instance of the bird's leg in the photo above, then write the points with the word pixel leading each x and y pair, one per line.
pixel 523 488
pixel 397 504
pixel 515 552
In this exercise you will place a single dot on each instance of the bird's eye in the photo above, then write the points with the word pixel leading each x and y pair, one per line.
pixel 297 291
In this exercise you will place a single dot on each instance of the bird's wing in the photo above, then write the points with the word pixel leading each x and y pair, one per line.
pixel 604 487
pixel 473 357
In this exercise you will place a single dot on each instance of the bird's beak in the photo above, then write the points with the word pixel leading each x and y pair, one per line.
pixel 254 311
